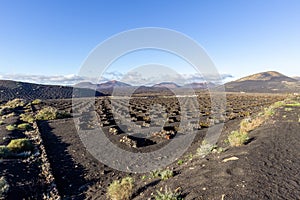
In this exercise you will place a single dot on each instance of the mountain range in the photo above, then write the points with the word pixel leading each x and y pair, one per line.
pixel 265 82
pixel 170 85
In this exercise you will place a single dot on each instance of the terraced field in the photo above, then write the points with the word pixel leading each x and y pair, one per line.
pixel 60 167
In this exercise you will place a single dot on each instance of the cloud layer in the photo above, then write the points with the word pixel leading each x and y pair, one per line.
pixel 133 78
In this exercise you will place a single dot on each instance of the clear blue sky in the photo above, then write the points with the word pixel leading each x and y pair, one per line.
pixel 241 36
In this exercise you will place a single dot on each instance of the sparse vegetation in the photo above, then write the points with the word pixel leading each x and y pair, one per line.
pixel 11 127
pixel 15 103
pixel 249 124
pixel 190 156
pixel 20 145
pixel 180 162
pixel 36 101
pixel 1 122
pixel 278 104
pixel 121 190
pixel 154 174
pixel 288 109
pixel 237 138
pixel 205 148
pixel 295 104
pixel 50 113
pixel 166 174
pixel 4 187
pixel 27 118
pixel 47 113
pixel 24 126
pixel 269 111
pixel 8 115
pixel 168 194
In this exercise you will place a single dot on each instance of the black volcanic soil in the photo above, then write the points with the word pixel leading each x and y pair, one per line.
pixel 73 167
pixel 267 167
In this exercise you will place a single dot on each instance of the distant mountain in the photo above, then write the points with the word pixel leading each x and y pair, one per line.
pixel 296 77
pixel 113 83
pixel 12 89
pixel 170 85
pixel 265 82
pixel 203 85
pixel 105 88
pixel 87 85
pixel 106 85
pixel 267 76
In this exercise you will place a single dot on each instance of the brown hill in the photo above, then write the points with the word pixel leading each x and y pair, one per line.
pixel 265 82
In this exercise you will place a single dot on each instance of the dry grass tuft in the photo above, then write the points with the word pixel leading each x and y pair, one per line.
pixel 120 190
pixel 248 125
pixel 237 138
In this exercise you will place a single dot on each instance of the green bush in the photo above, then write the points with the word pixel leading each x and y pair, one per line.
pixel 20 145
pixel 121 190
pixel 237 138
pixel 27 118
pixel 48 113
pixel 25 126
pixel 180 162
pixel 1 122
pixel 36 101
pixel 166 174
pixel 167 195
pixel 11 127
pixel 269 111
pixel 15 103
pixel 4 187
pixel 155 174
pixel 4 152
pixel 293 104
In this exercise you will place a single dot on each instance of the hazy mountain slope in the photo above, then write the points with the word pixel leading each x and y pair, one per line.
pixel 166 85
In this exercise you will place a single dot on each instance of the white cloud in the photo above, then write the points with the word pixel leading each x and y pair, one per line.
pixel 133 78
pixel 42 79
pixel 137 78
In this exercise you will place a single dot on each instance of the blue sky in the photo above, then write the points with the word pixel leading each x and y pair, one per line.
pixel 53 38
